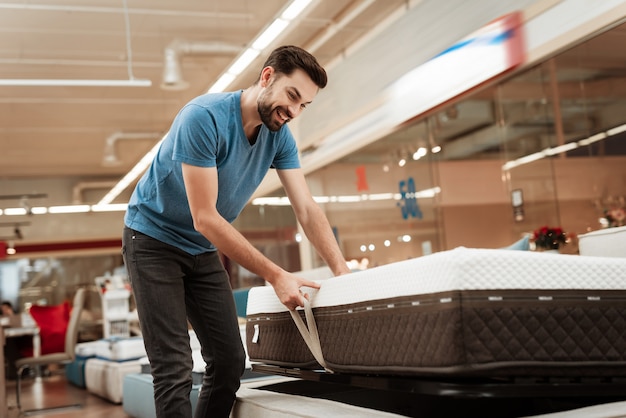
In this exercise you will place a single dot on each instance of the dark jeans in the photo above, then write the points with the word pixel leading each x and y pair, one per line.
pixel 170 287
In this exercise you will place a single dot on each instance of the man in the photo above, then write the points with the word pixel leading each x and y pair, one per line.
pixel 218 150
pixel 6 309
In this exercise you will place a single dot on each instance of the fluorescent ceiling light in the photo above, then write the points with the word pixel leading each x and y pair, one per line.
pixel 69 209
pixel 592 139
pixel 524 160
pixel 41 210
pixel 270 33
pixel 14 211
pixel 616 130
pixel 74 83
pixel 349 199
pixel 271 201
pixel 114 207
pixel 223 82
pixel 243 61
pixel 284 201
pixel 380 196
pixel 295 9
pixel 563 148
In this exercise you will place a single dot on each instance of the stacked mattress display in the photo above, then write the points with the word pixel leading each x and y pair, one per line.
pixel 608 242
pixel 113 359
pixel 463 312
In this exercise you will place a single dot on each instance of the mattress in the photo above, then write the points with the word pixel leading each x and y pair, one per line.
pixel 463 312
pixel 106 378
pixel 87 349
pixel 609 242
pixel 119 348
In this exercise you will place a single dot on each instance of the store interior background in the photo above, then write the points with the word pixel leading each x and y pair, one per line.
pixel 569 96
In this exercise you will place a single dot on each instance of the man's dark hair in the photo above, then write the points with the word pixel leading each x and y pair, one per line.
pixel 286 59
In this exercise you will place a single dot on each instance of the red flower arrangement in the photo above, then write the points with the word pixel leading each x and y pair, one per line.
pixel 548 238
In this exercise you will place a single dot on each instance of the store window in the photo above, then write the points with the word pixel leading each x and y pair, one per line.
pixel 542 147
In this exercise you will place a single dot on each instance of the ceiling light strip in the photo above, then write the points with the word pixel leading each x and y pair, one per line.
pixel 74 83
pixel 41 210
pixel 265 38
pixel 284 201
pixel 563 148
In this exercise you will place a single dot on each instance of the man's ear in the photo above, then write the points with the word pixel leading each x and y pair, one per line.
pixel 266 76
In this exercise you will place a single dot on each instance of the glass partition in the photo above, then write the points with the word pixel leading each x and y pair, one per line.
pixel 543 147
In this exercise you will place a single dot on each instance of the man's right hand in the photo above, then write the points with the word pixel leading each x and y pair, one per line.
pixel 288 289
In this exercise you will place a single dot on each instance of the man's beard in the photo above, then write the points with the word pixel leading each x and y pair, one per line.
pixel 266 112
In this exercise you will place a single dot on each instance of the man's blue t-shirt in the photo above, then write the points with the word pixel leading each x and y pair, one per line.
pixel 207 132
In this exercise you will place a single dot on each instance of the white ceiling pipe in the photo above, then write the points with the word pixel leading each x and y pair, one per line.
pixel 172 72
pixel 109 158
pixel 77 190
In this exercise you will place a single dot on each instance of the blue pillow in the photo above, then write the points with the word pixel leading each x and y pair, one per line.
pixel 521 245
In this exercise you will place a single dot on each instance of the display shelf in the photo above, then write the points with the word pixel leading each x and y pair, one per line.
pixel 115 306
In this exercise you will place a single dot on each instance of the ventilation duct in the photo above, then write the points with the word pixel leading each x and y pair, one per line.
pixel 77 191
pixel 172 72
pixel 109 158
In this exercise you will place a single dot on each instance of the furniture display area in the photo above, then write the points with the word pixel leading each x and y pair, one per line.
pixel 61 357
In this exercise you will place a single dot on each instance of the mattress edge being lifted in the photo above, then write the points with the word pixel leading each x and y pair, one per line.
pixel 458 269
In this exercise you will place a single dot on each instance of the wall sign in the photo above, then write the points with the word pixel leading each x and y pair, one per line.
pixel 409 207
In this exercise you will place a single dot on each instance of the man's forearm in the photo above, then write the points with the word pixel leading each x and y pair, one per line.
pixel 235 246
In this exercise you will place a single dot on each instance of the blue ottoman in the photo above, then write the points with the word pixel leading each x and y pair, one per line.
pixel 138 397
pixel 241 301
pixel 75 371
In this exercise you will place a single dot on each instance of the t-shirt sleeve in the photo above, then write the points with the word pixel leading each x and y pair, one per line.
pixel 194 136
pixel 287 152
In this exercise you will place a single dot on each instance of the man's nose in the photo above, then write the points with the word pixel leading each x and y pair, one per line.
pixel 294 110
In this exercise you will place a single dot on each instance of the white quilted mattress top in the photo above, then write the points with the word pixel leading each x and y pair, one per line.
pixel 458 269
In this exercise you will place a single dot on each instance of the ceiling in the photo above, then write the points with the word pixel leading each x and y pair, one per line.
pixel 99 133
pixel 517 116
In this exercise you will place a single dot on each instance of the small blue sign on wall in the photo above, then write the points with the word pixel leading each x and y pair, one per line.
pixel 408 204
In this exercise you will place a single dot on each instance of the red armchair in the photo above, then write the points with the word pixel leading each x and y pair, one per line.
pixel 52 322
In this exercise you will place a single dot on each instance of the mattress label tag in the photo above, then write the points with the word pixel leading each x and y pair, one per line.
pixel 255 337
